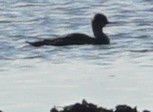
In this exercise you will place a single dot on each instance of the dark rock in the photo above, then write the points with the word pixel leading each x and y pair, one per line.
pixel 125 108
pixel 90 107
pixel 82 107
pixel 146 111
pixel 54 110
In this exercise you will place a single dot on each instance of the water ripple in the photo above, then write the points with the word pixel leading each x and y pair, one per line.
pixel 23 21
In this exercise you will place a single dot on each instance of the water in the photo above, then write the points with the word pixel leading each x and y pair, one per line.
pixel 35 79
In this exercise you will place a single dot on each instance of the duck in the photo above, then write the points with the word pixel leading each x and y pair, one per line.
pixel 99 21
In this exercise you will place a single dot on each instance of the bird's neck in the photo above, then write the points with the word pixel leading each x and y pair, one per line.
pixel 100 37
pixel 98 32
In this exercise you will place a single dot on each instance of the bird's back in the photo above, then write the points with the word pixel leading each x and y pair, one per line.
pixel 71 39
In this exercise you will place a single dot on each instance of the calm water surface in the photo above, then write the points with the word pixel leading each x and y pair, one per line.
pixel 35 79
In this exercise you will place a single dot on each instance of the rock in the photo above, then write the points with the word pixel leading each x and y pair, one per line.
pixel 125 108
pixel 146 111
pixel 82 107
pixel 54 110
pixel 90 107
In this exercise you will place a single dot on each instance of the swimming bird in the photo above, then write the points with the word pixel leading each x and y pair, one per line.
pixel 99 21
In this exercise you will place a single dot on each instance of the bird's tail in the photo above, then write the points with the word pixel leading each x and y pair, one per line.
pixel 36 44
